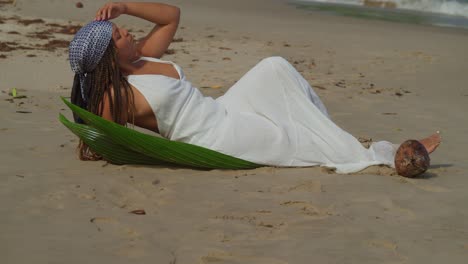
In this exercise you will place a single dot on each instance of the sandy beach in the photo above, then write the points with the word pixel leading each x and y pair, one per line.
pixel 379 80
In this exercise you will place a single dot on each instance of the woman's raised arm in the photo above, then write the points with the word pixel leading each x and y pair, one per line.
pixel 166 18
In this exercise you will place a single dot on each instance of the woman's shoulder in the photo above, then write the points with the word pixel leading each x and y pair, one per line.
pixel 178 69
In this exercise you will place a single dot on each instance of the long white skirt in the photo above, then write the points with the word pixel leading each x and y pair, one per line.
pixel 273 117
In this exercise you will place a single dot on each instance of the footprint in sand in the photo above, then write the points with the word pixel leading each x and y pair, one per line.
pixel 59 198
pixel 423 56
pixel 86 196
pixel 314 186
pixel 137 195
pixel 310 210
pixel 262 227
pixel 112 226
pixel 228 257
pixel 385 244
pixel 388 246
pixel 53 200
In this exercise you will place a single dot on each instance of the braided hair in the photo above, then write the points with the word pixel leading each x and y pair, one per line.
pixel 106 80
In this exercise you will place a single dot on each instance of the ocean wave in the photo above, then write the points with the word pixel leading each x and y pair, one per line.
pixel 448 7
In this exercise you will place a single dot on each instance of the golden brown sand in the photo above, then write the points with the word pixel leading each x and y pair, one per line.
pixel 379 80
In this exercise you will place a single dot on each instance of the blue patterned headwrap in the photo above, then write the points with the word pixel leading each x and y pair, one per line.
pixel 86 50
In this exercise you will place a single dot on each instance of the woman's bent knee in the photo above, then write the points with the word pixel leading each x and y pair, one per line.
pixel 276 60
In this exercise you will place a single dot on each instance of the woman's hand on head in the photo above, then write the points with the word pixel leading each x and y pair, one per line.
pixel 110 11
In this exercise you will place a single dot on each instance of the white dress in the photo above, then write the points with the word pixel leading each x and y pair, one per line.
pixel 271 116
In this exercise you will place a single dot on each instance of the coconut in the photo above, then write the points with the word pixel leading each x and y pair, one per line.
pixel 411 159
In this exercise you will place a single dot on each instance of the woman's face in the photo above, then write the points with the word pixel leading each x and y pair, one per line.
pixel 125 44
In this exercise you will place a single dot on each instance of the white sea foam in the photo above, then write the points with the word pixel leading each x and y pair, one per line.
pixel 448 7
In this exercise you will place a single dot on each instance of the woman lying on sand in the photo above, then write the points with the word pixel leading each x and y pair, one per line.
pixel 271 116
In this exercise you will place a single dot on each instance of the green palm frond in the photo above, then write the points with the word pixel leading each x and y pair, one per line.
pixel 127 146
pixel 111 151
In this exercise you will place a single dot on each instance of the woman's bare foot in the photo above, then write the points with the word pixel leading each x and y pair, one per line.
pixel 431 142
